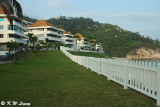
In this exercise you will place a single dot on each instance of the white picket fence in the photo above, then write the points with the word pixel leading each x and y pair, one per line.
pixel 141 76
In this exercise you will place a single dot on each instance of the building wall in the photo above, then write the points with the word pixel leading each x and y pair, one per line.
pixel 83 44
pixel 4 31
pixel 42 35
pixel 68 40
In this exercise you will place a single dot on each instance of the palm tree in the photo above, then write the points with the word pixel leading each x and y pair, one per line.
pixel 55 45
pixel 26 51
pixel 9 11
pixel 43 43
pixel 30 35
pixel 34 38
pixel 13 47
pixel 77 38
pixel 58 44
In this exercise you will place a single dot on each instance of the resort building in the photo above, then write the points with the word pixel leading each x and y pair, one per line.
pixel 6 32
pixel 99 48
pixel 44 30
pixel 69 39
pixel 81 43
pixel 93 45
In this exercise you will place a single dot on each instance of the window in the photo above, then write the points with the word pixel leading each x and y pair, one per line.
pixel 40 29
pixel 1 19
pixel 1 26
pixel 15 28
pixel 1 46
pixel 9 27
pixel 1 35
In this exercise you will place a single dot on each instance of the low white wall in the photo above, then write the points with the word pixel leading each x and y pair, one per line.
pixel 3 53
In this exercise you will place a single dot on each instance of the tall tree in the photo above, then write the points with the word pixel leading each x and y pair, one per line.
pixel 30 35
pixel 12 46
pixel 34 38
pixel 7 6
pixel 77 38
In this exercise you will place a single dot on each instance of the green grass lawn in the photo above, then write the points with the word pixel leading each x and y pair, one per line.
pixel 89 54
pixel 50 79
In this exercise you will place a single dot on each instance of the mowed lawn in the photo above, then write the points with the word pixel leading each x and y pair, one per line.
pixel 89 54
pixel 50 79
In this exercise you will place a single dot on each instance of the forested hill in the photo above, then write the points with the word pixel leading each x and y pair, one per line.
pixel 30 19
pixel 116 41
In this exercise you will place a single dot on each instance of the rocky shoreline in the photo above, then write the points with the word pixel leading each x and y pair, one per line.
pixel 144 54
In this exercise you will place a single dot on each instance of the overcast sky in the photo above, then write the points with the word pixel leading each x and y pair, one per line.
pixel 141 16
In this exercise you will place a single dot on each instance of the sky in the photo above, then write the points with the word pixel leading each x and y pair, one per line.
pixel 141 16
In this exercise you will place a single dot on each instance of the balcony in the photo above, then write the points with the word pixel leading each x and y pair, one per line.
pixel 55 33
pixel 69 38
pixel 17 40
pixel 19 25
pixel 83 45
pixel 69 43
pixel 55 39
pixel 17 33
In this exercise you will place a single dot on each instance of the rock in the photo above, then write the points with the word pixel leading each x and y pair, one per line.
pixel 144 53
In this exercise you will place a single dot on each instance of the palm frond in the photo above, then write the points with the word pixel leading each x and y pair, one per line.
pixel 9 11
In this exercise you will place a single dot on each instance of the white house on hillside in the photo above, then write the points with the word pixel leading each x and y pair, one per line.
pixel 69 39
pixel 43 30
pixel 99 47
pixel 81 43
pixel 7 34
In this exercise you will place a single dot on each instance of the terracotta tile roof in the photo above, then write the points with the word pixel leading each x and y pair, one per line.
pixel 1 10
pixel 93 40
pixel 80 35
pixel 41 23
pixel 67 33
pixel 62 29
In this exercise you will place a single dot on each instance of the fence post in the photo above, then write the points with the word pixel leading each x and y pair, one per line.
pixel 87 62
pixel 76 59
pixel 126 74
pixel 158 85
pixel 109 69
pixel 99 66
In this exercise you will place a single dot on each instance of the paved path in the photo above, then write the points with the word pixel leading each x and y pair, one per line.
pixel 4 62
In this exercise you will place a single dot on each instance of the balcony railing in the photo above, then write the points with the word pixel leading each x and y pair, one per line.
pixel 68 38
pixel 17 33
pixel 19 25
pixel 17 40
pixel 55 39
pixel 55 33
pixel 69 43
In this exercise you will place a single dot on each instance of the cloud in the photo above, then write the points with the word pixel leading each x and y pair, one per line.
pixel 57 4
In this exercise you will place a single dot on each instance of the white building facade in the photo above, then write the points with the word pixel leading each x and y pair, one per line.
pixel 81 43
pixel 6 32
pixel 44 30
pixel 99 48
pixel 69 39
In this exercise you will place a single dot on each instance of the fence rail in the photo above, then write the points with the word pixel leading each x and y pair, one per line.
pixel 141 76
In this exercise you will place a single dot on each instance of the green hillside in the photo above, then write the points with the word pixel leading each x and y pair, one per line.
pixel 30 19
pixel 116 41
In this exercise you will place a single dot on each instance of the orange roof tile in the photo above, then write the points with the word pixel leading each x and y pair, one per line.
pixel 61 29
pixel 2 10
pixel 80 35
pixel 41 23
pixel 67 33
pixel 93 40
